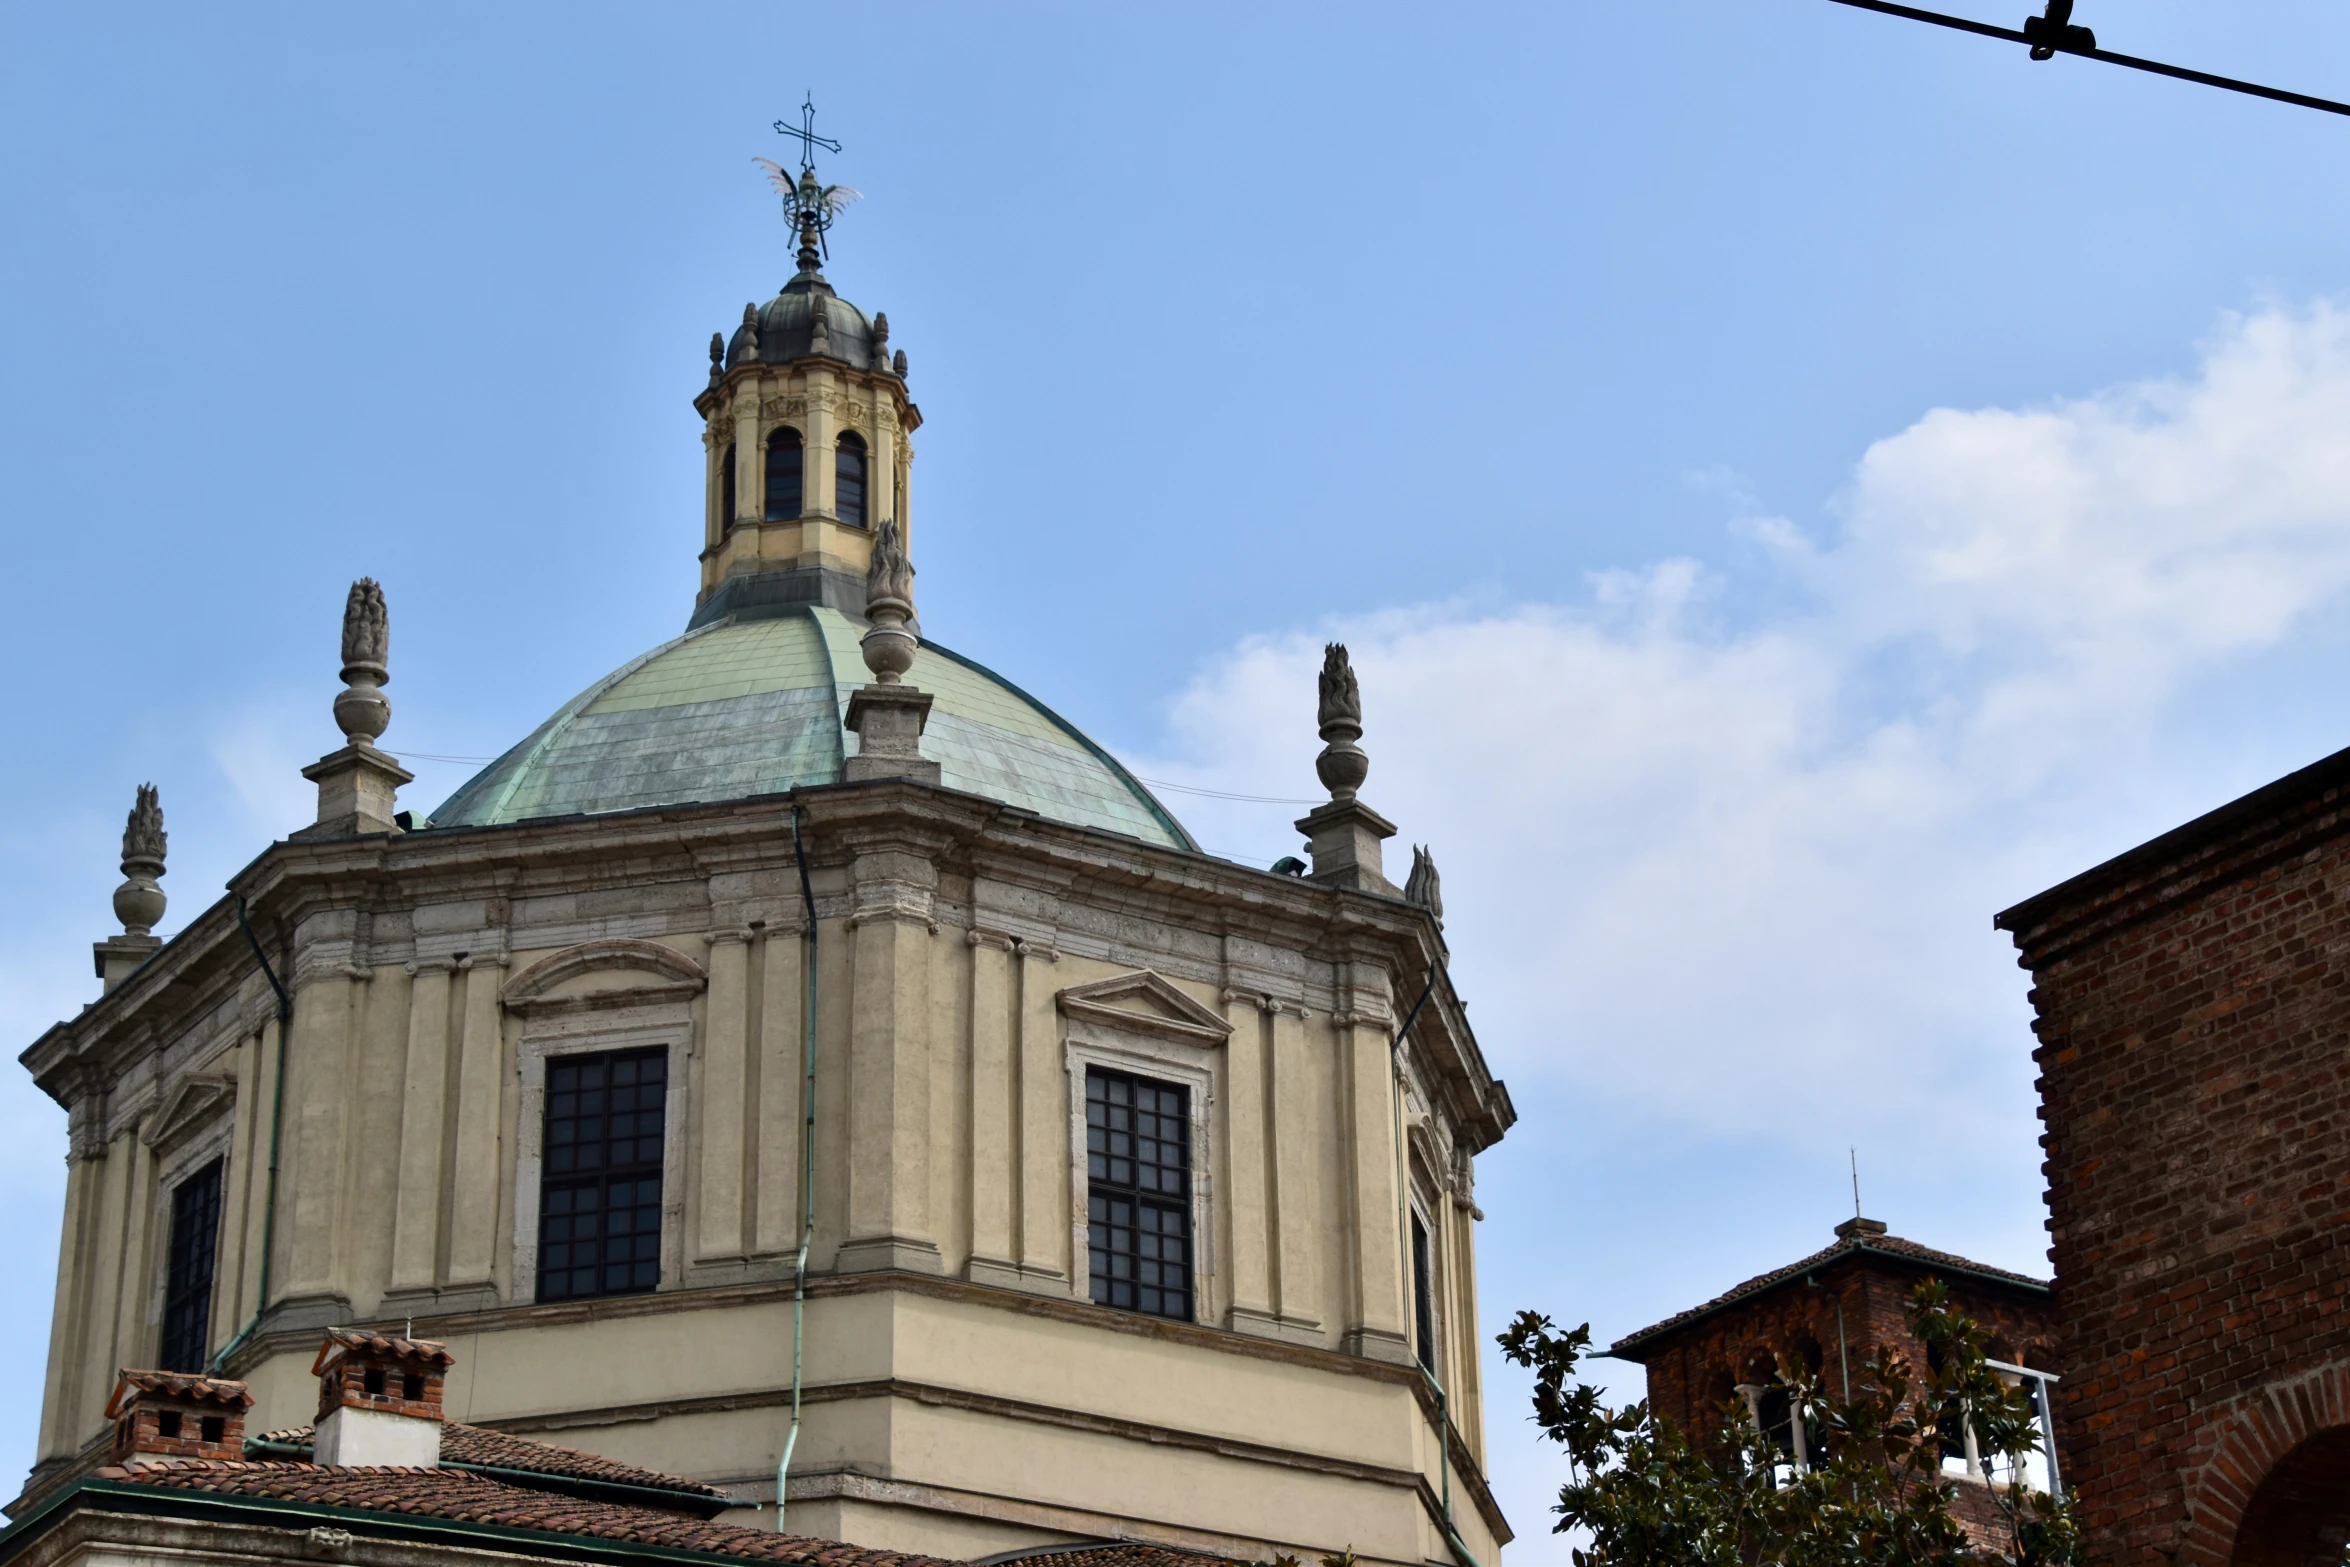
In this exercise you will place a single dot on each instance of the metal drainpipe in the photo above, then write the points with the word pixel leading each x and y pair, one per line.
pixel 277 1116
pixel 1452 1536
pixel 799 1292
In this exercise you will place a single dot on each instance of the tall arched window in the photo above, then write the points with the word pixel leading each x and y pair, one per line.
pixel 726 490
pixel 848 480
pixel 783 475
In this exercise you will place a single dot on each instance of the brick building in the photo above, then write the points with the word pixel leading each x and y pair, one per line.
pixel 2192 999
pixel 1831 1311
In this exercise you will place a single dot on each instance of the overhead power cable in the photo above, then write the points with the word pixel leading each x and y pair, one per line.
pixel 2047 36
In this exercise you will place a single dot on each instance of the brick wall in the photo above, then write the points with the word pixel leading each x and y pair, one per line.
pixel 1862 1302
pixel 2193 1003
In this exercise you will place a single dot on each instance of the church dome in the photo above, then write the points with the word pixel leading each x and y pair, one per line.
pixel 786 328
pixel 744 707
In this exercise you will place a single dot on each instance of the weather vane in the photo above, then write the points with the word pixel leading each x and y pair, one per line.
pixel 806 132
pixel 809 205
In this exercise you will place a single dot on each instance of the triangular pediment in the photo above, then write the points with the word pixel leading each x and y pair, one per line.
pixel 1145 1001
pixel 191 1107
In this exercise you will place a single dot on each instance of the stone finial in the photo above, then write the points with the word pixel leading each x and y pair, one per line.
pixel 1342 766
pixel 897 365
pixel 717 357
pixel 889 604
pixel 356 784
pixel 889 715
pixel 819 327
pixel 1344 836
pixel 881 340
pixel 1424 886
pixel 750 331
pixel 362 710
pixel 139 902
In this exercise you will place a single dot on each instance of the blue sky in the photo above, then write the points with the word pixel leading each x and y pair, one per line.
pixel 1796 483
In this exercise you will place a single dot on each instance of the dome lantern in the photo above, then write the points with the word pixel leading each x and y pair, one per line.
pixel 806 421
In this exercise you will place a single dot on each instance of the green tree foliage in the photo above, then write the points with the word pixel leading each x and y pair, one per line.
pixel 1645 1494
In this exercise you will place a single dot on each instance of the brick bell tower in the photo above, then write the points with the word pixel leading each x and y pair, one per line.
pixel 806 426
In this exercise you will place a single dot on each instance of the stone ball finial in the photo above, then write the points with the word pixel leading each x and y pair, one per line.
pixel 1342 766
pixel 1425 887
pixel 139 902
pixel 361 710
pixel 889 604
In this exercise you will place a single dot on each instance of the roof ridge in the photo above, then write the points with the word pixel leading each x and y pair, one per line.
pixel 1892 1247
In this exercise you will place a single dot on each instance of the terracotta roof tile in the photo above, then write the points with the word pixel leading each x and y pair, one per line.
pixel 464 1444
pixel 464 1497
pixel 1925 1258
pixel 177 1384
pixel 340 1342
pixel 1124 1553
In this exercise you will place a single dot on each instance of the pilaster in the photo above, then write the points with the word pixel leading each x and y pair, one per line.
pixel 994 1128
pixel 1299 1225
pixel 136 1341
pixel 889 1072
pixel 59 1437
pixel 477 1177
pixel 416 1219
pixel 1248 1187
pixel 1045 1263
pixel 1375 1202
pixel 719 1199
pixel 320 1060
pixel 782 1081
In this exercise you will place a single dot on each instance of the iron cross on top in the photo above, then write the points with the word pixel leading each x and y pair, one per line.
pixel 805 133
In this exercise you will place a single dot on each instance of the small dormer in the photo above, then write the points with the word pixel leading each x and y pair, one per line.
pixel 162 1415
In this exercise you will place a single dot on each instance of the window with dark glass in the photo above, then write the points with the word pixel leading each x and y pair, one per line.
pixel 600 1180
pixel 1138 1192
pixel 1423 1296
pixel 187 1288
pixel 848 480
pixel 783 475
pixel 726 489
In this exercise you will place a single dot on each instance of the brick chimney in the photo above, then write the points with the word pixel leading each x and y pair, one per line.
pixel 379 1400
pixel 175 1414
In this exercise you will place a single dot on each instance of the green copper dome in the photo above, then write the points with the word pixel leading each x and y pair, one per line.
pixel 746 707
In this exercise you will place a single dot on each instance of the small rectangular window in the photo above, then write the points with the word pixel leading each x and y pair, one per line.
pixel 600 1174
pixel 1423 1296
pixel 1138 1193
pixel 187 1290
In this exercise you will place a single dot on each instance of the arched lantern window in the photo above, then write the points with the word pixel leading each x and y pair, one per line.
pixel 848 479
pixel 726 488
pixel 783 475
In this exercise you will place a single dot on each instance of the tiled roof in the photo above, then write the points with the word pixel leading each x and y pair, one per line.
pixel 1893 1247
pixel 464 1444
pixel 392 1347
pixel 461 1496
pixel 178 1384
pixel 1124 1553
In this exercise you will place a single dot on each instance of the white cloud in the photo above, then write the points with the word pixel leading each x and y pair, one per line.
pixel 260 751
pixel 1703 863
